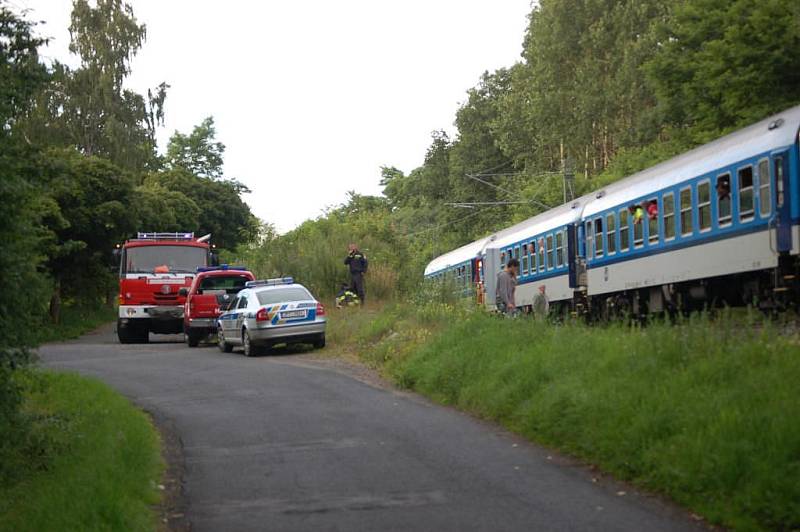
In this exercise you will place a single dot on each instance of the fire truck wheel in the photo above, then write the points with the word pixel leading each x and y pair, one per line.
pixel 132 334
pixel 193 337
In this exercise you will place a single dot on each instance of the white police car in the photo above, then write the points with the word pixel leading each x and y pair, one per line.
pixel 269 312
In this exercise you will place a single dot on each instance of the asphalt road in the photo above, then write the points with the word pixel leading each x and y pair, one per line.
pixel 295 442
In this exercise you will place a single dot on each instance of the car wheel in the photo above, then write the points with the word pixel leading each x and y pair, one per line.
pixel 224 346
pixel 249 349
pixel 319 343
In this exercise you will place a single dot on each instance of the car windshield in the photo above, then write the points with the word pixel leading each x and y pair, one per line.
pixel 230 284
pixel 281 295
pixel 164 259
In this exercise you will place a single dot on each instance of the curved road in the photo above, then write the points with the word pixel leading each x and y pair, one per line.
pixel 300 442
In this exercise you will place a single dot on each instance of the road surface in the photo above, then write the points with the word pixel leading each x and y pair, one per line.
pixel 300 442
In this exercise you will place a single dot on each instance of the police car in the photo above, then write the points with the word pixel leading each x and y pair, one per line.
pixel 269 312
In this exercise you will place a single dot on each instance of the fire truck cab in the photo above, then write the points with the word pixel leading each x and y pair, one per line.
pixel 153 269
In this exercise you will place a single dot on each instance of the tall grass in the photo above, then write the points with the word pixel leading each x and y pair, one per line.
pixel 705 411
pixel 97 465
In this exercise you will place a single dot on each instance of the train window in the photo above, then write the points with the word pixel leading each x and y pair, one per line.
pixel 638 232
pixel 652 220
pixel 624 231
pixel 746 200
pixel 550 263
pixel 779 181
pixel 589 241
pixel 704 205
pixel 516 252
pixel 669 216
pixel 686 212
pixel 723 188
pixel 598 237
pixel 559 249
pixel 764 184
pixel 524 259
pixel 541 255
pixel 611 233
pixel 502 258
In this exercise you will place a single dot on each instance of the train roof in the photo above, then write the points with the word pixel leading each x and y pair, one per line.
pixel 545 221
pixel 457 256
pixel 568 213
pixel 775 132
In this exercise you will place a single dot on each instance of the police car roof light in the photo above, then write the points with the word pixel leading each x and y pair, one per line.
pixel 269 282
pixel 221 267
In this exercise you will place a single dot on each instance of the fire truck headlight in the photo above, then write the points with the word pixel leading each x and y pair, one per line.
pixel 131 311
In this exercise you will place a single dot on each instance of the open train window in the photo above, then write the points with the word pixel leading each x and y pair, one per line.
pixel 638 231
pixel 541 255
pixel 746 199
pixel 624 231
pixel 652 220
pixel 502 258
pixel 589 241
pixel 704 205
pixel 764 184
pixel 560 249
pixel 669 216
pixel 598 237
pixel 723 190
pixel 686 212
pixel 550 252
pixel 524 259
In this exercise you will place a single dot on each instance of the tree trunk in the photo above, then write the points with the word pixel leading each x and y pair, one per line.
pixel 55 304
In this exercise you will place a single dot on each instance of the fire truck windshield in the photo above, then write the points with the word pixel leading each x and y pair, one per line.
pixel 163 259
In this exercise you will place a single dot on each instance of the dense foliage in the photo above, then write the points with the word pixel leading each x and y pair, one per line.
pixel 79 172
pixel 604 88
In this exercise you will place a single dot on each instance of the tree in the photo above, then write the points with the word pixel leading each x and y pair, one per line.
pixel 222 212
pixel 88 108
pixel 92 199
pixel 197 153
pixel 723 64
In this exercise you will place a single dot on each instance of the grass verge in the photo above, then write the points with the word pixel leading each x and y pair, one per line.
pixel 90 461
pixel 75 321
pixel 703 411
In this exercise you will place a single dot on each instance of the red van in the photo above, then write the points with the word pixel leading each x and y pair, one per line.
pixel 212 290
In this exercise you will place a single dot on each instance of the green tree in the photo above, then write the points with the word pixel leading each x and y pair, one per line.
pixel 93 199
pixel 198 152
pixel 88 108
pixel 722 64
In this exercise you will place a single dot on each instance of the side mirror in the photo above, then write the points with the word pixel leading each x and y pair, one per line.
pixel 214 258
pixel 183 292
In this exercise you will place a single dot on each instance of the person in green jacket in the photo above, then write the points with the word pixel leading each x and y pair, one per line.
pixel 541 304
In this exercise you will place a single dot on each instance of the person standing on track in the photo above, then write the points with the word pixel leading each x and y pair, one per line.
pixel 358 264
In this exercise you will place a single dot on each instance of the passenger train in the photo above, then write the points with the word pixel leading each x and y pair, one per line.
pixel 718 225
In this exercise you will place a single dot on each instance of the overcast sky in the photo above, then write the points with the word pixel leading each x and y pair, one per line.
pixel 311 97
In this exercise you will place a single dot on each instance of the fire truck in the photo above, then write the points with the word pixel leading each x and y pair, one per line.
pixel 153 269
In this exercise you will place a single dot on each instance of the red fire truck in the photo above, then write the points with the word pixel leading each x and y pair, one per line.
pixel 153 269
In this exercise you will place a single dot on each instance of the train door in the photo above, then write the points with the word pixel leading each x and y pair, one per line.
pixel 477 279
pixel 491 266
pixel 783 219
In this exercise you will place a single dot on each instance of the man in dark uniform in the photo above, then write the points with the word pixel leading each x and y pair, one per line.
pixel 357 262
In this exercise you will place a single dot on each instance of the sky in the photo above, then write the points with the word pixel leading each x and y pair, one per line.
pixel 311 97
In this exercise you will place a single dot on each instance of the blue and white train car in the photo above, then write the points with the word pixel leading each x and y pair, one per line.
pixel 547 250
pixel 719 224
pixel 463 267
